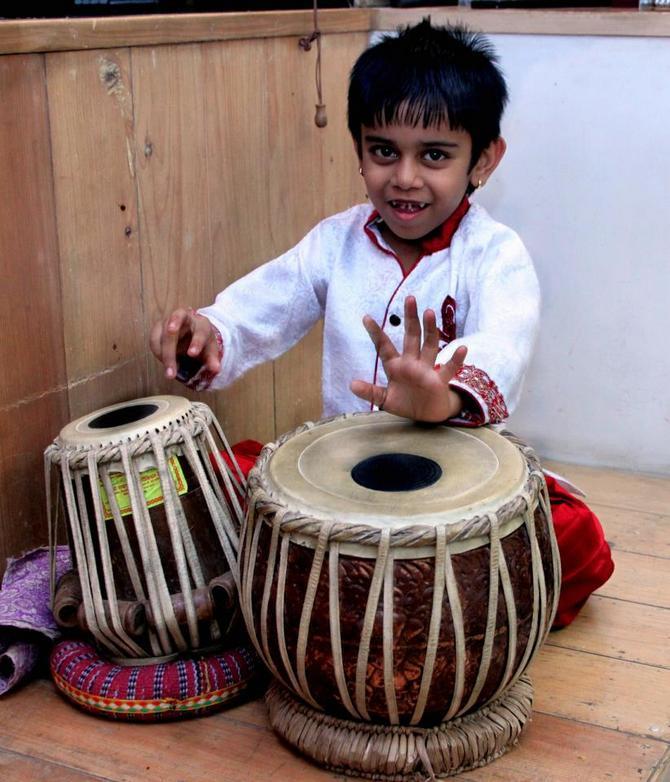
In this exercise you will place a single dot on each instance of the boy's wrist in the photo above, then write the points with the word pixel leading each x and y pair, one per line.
pixel 455 403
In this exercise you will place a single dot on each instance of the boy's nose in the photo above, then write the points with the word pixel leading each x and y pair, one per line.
pixel 406 174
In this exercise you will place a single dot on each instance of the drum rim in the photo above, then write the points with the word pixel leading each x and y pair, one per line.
pixel 262 500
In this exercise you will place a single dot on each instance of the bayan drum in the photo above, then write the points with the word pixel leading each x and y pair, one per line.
pixel 153 513
pixel 398 579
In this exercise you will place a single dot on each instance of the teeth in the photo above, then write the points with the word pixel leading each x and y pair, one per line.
pixel 407 206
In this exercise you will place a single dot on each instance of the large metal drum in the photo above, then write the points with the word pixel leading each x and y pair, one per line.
pixel 396 573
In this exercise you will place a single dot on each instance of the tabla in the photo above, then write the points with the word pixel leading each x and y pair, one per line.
pixel 397 579
pixel 153 514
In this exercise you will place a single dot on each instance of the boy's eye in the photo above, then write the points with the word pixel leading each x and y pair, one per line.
pixel 383 151
pixel 435 155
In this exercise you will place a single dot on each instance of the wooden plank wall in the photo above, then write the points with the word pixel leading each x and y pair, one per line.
pixel 133 180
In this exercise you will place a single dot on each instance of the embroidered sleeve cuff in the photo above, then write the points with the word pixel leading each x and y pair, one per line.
pixel 482 401
pixel 195 375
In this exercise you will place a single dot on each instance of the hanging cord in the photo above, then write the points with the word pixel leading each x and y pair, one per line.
pixel 320 118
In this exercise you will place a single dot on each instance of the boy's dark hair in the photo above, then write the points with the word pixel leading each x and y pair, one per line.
pixel 429 74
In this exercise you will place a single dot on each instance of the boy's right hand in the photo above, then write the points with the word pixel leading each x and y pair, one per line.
pixel 185 334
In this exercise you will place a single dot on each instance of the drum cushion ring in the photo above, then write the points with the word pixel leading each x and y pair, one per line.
pixel 186 687
pixel 395 753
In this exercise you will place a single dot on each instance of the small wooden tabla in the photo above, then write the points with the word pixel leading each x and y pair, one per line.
pixel 398 579
pixel 153 514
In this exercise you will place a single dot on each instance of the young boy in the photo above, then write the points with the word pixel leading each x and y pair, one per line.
pixel 424 113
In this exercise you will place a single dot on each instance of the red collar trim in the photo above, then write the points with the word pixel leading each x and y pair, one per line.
pixel 437 240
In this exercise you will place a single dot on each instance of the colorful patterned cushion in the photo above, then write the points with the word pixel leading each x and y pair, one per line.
pixel 180 688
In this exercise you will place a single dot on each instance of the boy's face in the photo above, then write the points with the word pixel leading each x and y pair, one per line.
pixel 415 176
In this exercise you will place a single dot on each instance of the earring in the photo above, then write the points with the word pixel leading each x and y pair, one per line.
pixel 360 170
pixel 479 184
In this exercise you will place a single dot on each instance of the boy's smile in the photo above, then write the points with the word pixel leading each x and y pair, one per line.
pixel 415 177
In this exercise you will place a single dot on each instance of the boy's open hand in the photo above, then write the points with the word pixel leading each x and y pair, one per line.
pixel 184 333
pixel 415 388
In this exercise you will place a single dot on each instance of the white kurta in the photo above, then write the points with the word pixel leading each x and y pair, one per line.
pixel 339 273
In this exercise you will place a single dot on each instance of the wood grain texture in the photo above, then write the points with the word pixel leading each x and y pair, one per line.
pixel 618 489
pixel 558 750
pixel 33 387
pixel 619 629
pixel 17 768
pixel 312 190
pixel 239 142
pixel 616 694
pixel 634 530
pixel 91 112
pixel 31 350
pixel 174 208
pixel 41 35
pixel 43 725
pixel 639 578
pixel 25 431
pixel 514 21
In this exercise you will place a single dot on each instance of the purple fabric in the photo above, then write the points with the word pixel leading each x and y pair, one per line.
pixel 25 616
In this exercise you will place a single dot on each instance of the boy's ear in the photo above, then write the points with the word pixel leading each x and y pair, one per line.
pixel 488 162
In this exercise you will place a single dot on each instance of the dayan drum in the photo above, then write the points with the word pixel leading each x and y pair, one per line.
pixel 153 515
pixel 398 578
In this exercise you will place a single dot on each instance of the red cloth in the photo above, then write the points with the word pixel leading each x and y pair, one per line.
pixel 586 559
pixel 246 452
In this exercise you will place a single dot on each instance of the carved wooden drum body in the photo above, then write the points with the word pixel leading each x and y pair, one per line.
pixel 153 515
pixel 395 573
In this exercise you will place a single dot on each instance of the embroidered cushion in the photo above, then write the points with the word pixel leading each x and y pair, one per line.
pixel 186 687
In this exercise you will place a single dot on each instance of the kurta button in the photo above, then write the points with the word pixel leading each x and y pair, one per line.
pixel 394 320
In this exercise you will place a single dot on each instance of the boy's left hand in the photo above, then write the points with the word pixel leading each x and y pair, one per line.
pixel 415 388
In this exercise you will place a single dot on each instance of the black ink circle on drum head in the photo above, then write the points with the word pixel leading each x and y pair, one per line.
pixel 122 416
pixel 396 472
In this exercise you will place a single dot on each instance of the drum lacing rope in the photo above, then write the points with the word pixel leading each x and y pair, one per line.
pixel 434 627
pixel 306 614
pixel 185 555
pixel 159 594
pixel 368 621
pixel 494 559
pixel 459 637
pixel 538 628
pixel 387 634
pixel 98 632
pixel 97 460
pixel 415 536
pixel 126 549
pixel 335 636
pixel 262 498
pixel 129 646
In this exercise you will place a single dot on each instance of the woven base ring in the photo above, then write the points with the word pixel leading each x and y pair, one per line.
pixel 394 753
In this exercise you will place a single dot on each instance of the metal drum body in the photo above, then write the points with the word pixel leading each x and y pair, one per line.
pixel 153 514
pixel 404 607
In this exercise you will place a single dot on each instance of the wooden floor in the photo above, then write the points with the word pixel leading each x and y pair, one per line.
pixel 602 689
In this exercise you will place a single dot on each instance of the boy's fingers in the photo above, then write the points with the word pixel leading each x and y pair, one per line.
pixel 201 333
pixel 430 347
pixel 211 357
pixel 380 340
pixel 412 342
pixel 176 326
pixel 450 368
pixel 374 394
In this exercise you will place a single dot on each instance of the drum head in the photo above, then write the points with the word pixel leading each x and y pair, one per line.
pixel 382 470
pixel 124 421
